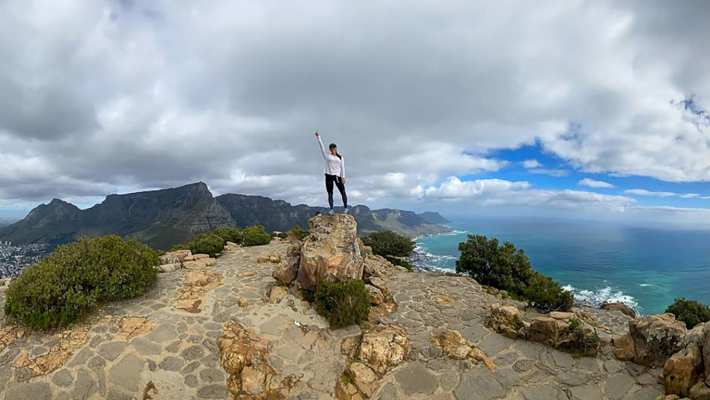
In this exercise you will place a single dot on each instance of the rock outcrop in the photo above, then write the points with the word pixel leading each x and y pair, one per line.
pixel 331 251
pixel 686 373
pixel 651 340
pixel 566 331
pixel 285 273
pixel 621 307
pixel 455 346
pixel 507 320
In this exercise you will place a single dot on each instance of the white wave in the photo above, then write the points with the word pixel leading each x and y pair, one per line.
pixel 600 296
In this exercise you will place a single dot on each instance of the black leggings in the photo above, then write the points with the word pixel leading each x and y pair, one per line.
pixel 329 180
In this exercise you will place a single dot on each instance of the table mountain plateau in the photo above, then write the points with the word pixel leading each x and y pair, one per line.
pixel 165 217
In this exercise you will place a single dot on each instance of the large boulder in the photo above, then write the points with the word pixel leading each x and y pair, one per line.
pixel 331 252
pixel 681 371
pixel 656 338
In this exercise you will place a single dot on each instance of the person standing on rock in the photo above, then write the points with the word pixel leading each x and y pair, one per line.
pixel 334 173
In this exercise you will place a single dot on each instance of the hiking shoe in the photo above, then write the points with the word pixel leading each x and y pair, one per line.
pixel 331 212
pixel 346 210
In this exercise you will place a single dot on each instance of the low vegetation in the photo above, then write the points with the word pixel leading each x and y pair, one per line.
pixel 254 236
pixel 689 311
pixel 507 268
pixel 207 243
pixel 297 232
pixel 343 303
pixel 212 243
pixel 394 247
pixel 229 234
pixel 77 277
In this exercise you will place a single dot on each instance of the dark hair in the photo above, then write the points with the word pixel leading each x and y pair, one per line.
pixel 334 146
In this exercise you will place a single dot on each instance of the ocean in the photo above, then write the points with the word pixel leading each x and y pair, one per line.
pixel 646 268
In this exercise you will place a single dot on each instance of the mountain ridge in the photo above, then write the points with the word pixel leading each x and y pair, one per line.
pixel 164 217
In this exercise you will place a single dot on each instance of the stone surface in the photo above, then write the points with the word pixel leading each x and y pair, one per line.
pixel 624 347
pixel 126 373
pixel 331 251
pixel 277 293
pixel 457 347
pixel 621 307
pixel 682 370
pixel 506 320
pixel 414 378
pixel 384 347
pixel 656 338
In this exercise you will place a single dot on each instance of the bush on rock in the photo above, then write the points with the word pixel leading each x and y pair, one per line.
pixel 343 303
pixel 388 243
pixel 546 295
pixel 70 282
pixel 229 234
pixel 255 236
pixel 392 246
pixel 206 244
pixel 689 311
pixel 297 232
pixel 507 268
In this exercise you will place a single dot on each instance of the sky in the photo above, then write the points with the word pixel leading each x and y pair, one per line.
pixel 583 109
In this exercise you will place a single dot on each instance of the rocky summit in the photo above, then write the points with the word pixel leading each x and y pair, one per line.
pixel 239 327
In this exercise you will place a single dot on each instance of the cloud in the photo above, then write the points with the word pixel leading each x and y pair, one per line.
pixel 531 164
pixel 593 183
pixel 499 192
pixel 549 171
pixel 651 193
pixel 108 96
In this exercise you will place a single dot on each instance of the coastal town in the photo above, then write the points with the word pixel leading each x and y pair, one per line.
pixel 13 258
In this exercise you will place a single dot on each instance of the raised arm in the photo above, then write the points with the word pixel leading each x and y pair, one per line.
pixel 322 148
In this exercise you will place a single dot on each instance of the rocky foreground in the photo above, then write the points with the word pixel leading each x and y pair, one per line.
pixel 226 328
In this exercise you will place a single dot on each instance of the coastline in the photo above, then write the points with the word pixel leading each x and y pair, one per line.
pixel 427 262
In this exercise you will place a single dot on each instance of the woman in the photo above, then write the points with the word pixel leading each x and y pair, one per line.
pixel 334 173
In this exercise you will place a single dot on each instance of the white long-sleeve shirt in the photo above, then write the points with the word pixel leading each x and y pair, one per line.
pixel 334 165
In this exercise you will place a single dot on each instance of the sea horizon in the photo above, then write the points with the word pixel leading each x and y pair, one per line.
pixel 643 267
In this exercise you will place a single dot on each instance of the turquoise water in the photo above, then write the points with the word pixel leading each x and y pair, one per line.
pixel 646 268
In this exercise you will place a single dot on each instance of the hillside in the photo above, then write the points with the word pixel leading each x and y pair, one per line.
pixel 165 217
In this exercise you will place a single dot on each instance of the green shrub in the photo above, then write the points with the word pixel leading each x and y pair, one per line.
pixel 77 277
pixel 400 261
pixel 503 267
pixel 206 244
pixel 298 232
pixel 689 311
pixel 343 303
pixel 546 295
pixel 229 234
pixel 507 268
pixel 255 236
pixel 388 243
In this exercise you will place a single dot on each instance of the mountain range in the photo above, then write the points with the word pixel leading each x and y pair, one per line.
pixel 162 218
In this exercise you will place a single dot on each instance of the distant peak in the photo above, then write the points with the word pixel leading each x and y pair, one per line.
pixel 59 203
